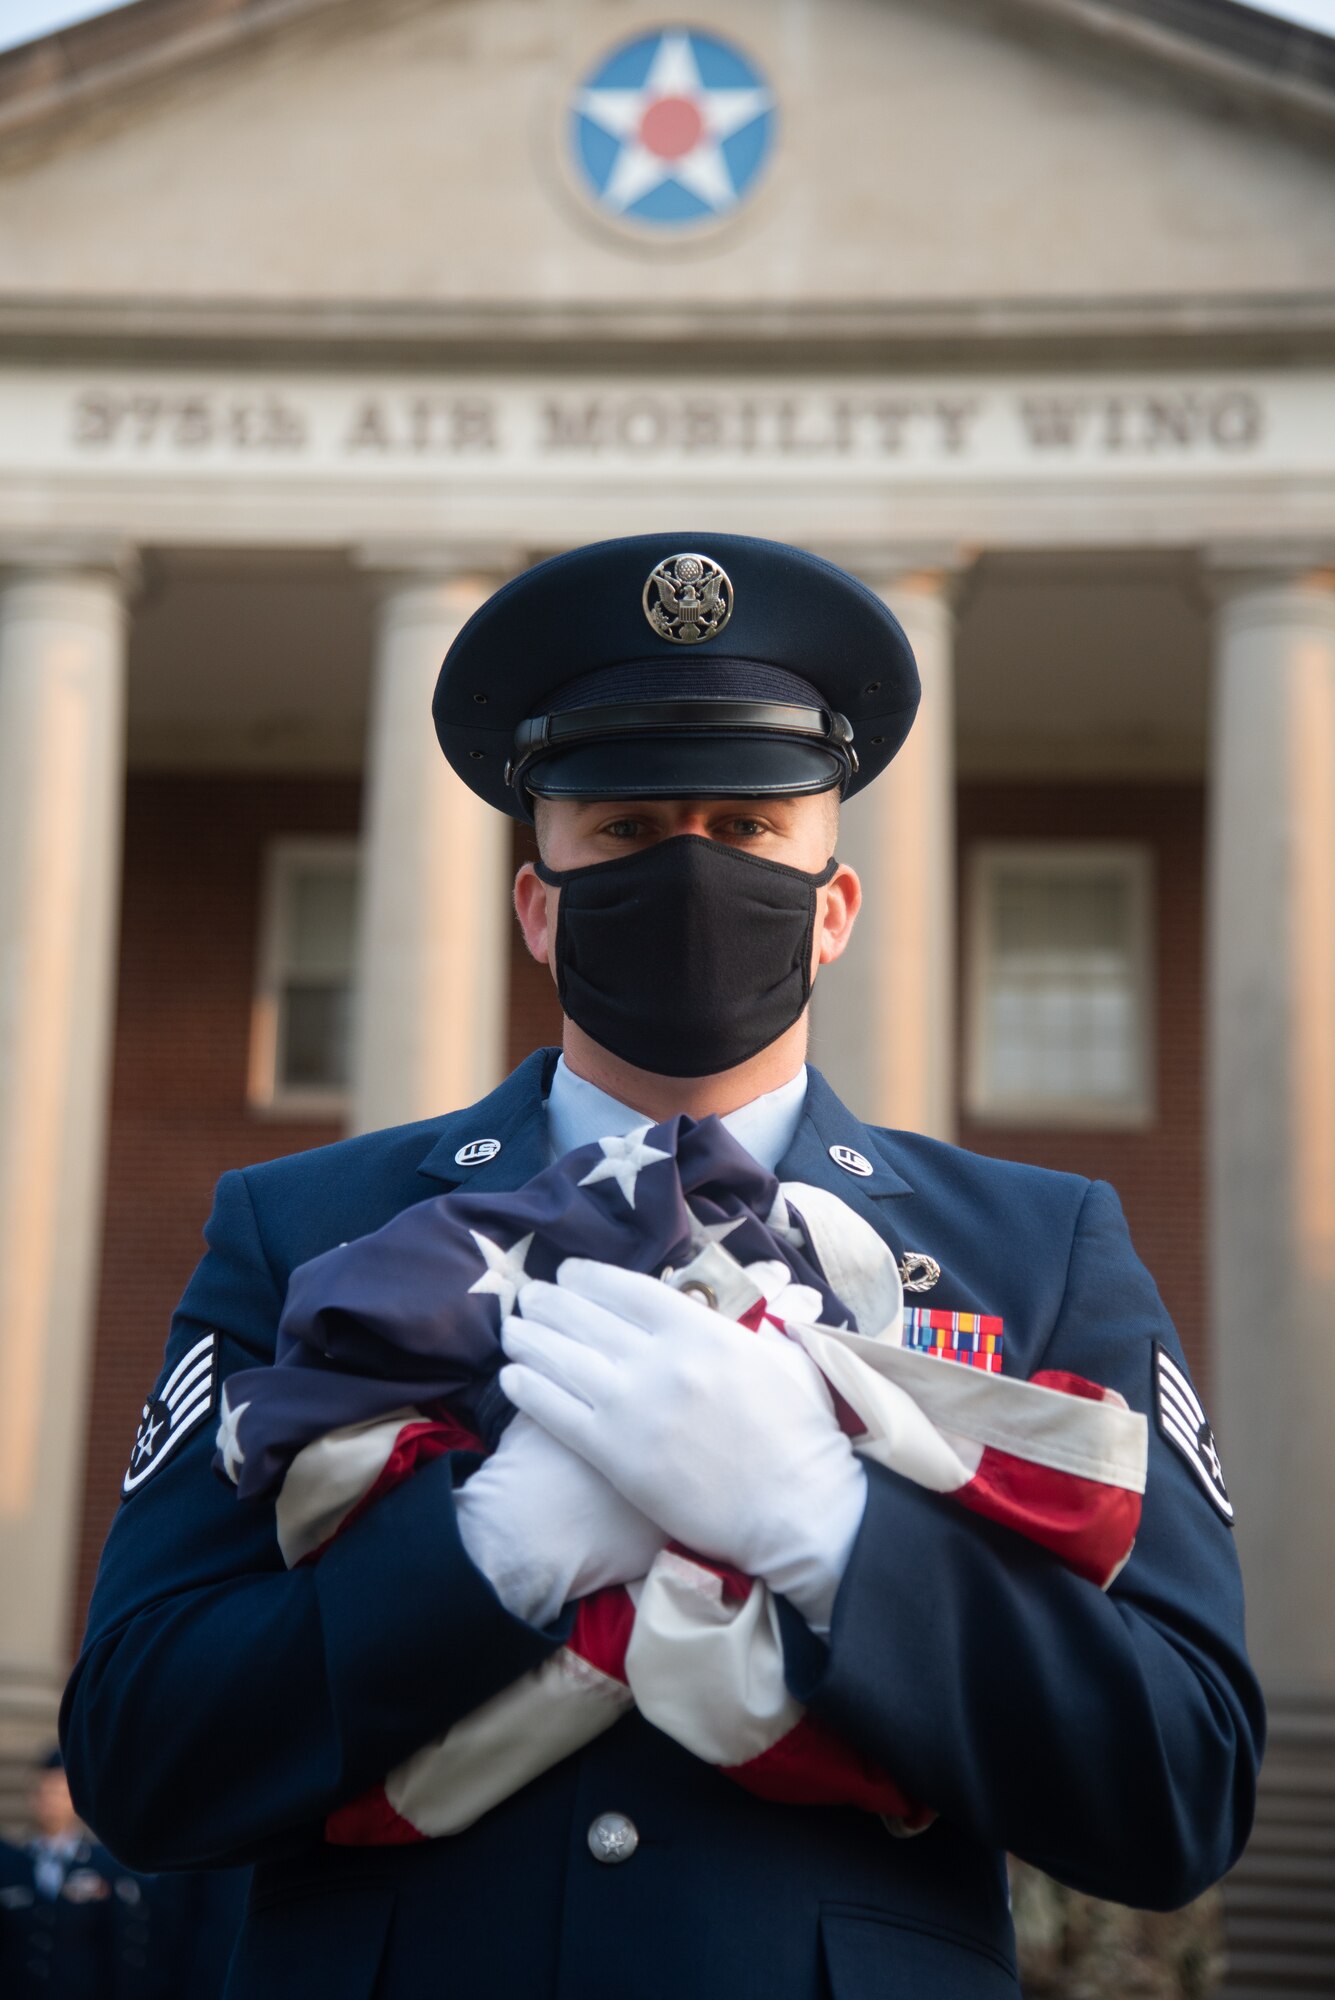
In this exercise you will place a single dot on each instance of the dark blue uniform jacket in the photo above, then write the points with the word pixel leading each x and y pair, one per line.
pixel 222 1706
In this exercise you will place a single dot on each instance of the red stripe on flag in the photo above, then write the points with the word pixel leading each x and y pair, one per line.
pixel 370 1821
pixel 809 1766
pixel 1091 1527
pixel 601 1631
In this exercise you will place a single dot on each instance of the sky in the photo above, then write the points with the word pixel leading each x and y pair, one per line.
pixel 24 20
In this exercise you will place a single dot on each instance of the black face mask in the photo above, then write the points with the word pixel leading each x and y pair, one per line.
pixel 686 958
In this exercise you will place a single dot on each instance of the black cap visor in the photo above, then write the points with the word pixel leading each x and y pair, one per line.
pixel 719 765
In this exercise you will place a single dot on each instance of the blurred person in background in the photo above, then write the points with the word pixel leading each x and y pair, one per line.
pixel 76 1925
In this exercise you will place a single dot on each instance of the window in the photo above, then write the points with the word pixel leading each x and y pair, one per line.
pixel 301 1040
pixel 1061 992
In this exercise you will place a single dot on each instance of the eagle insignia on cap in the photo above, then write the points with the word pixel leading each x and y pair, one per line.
pixel 687 599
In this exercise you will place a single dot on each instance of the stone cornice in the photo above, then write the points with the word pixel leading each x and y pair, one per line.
pixel 1275 330
pixel 70 555
pixel 1303 570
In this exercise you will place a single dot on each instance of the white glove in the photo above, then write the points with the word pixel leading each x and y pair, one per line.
pixel 544 1527
pixel 728 1438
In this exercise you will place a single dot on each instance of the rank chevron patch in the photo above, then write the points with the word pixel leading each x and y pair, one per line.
pixel 1181 1419
pixel 173 1411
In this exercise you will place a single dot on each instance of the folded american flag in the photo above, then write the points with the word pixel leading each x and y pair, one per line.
pixel 388 1353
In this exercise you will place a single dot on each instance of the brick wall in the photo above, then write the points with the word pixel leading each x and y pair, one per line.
pixel 189 928
pixel 1159 1173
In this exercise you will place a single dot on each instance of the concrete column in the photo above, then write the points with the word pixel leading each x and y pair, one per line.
pixel 435 916
pixel 62 693
pixel 883 1018
pixel 1272 1104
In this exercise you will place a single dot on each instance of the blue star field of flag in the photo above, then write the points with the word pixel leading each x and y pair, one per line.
pixel 411 1315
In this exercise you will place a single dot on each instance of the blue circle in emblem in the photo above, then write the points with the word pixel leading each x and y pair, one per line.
pixel 672 129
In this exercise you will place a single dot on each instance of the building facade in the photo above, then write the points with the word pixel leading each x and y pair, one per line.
pixel 318 321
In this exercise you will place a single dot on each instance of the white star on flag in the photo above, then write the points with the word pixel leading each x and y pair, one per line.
pixel 623 1161
pixel 505 1271
pixel 229 1444
pixel 780 1223
pixel 672 129
pixel 703 1233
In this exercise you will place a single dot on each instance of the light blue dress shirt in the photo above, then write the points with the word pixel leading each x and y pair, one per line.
pixel 578 1113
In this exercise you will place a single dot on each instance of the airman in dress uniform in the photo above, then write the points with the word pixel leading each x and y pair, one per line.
pixel 74 1924
pixel 680 715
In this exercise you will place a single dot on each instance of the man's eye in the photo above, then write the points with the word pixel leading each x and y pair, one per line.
pixel 621 829
pixel 747 829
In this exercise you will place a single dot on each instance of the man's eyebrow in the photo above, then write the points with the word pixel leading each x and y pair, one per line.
pixel 586 809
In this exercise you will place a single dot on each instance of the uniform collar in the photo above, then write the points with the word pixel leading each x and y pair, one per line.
pixel 514 1115
pixel 828 1124
pixel 578 1113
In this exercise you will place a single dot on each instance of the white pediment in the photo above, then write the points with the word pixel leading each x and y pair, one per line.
pixel 414 153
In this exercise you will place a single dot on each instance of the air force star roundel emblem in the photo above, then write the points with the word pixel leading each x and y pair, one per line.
pixel 173 1411
pixel 1182 1421
pixel 672 130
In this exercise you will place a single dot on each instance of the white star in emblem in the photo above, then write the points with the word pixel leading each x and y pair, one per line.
pixel 505 1269
pixel 148 1430
pixel 672 129
pixel 1212 1458
pixel 623 1161
pixel 229 1444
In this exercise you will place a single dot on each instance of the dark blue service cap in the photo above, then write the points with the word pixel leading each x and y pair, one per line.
pixel 675 666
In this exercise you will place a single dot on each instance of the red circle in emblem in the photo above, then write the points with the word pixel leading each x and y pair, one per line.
pixel 671 127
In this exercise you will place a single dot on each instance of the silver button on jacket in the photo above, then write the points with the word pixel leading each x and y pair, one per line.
pixel 613 1837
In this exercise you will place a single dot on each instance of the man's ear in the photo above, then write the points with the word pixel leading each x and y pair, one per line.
pixel 531 910
pixel 842 899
